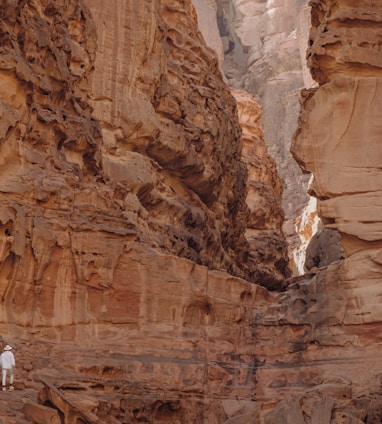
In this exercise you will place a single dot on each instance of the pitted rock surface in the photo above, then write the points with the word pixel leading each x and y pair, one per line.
pixel 128 210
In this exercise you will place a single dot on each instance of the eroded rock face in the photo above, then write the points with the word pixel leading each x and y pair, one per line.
pixel 265 46
pixel 308 353
pixel 338 140
pixel 264 229
pixel 112 134
pixel 124 215
pixel 171 135
pixel 111 321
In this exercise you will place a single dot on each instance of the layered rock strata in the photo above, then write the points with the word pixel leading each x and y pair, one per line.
pixel 111 325
pixel 109 136
pixel 339 125
pixel 124 216
pixel 214 349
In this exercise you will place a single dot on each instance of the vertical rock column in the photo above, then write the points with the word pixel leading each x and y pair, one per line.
pixel 340 123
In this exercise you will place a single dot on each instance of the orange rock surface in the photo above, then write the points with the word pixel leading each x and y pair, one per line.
pixel 124 217
pixel 138 217
pixel 264 227
pixel 337 141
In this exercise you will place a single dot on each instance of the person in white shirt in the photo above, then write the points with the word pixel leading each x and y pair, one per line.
pixel 7 360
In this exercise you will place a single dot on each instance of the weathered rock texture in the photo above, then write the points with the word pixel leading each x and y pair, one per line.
pixel 264 228
pixel 123 192
pixel 338 139
pixel 114 133
pixel 124 216
pixel 265 47
pixel 175 122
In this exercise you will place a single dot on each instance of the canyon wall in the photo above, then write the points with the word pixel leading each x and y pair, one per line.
pixel 265 54
pixel 340 134
pixel 111 136
pixel 125 211
pixel 141 216
pixel 262 49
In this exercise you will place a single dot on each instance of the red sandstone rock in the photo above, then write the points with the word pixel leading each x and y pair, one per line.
pixel 264 228
pixel 265 47
pixel 110 239
pixel 337 141
pixel 123 216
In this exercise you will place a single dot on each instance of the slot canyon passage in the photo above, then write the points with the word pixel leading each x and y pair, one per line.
pixel 160 259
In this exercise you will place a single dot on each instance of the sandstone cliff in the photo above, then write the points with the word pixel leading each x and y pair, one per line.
pixel 111 134
pixel 264 233
pixel 127 224
pixel 155 165
pixel 264 47
pixel 338 133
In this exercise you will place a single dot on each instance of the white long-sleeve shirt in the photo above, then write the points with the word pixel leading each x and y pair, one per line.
pixel 7 360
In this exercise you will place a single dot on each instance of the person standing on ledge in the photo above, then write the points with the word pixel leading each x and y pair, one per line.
pixel 7 360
